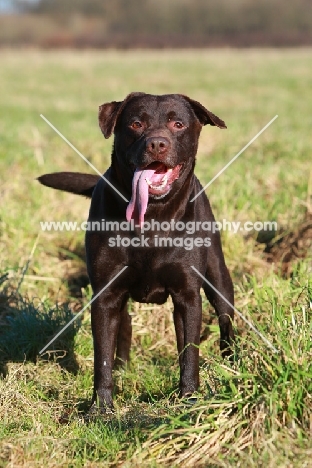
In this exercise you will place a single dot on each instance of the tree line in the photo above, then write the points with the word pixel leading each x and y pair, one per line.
pixel 160 23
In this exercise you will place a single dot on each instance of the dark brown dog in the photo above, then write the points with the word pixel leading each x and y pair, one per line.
pixel 153 161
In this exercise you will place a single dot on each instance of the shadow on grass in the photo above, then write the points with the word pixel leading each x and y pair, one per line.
pixel 26 328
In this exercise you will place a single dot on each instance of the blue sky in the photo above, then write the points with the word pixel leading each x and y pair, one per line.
pixel 7 6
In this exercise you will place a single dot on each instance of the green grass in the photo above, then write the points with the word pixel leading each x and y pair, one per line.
pixel 257 412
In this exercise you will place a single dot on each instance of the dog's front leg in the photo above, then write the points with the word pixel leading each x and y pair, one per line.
pixel 105 320
pixel 187 320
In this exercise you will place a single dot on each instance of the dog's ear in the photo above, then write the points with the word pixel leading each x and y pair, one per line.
pixel 109 113
pixel 204 115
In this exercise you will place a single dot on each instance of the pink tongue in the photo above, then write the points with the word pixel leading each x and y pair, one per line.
pixel 139 200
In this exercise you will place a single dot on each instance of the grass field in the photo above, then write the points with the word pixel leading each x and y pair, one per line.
pixel 255 413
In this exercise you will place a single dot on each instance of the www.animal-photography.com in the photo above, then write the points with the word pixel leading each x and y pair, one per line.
pixel 156 233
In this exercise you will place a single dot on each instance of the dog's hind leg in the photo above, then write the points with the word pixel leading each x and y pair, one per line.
pixel 218 275
pixel 123 338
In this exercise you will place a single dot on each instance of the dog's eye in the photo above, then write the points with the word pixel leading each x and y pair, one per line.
pixel 178 124
pixel 136 125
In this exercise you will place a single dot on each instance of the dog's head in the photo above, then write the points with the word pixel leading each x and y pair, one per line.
pixel 156 139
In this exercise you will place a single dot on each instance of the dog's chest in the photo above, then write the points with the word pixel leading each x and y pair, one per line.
pixel 146 281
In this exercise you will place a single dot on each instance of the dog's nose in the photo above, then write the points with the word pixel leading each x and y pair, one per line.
pixel 157 145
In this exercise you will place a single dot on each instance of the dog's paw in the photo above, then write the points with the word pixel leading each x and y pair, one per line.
pixel 96 411
pixel 189 399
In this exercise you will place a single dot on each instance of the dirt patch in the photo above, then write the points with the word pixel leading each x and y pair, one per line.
pixel 286 249
pixel 74 266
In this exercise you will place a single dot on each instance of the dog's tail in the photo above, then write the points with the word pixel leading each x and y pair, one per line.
pixel 73 182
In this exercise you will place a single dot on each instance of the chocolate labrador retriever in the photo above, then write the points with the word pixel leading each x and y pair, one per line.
pixel 153 159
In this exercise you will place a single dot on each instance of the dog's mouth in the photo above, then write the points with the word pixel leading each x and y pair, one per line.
pixel 156 180
pixel 159 177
